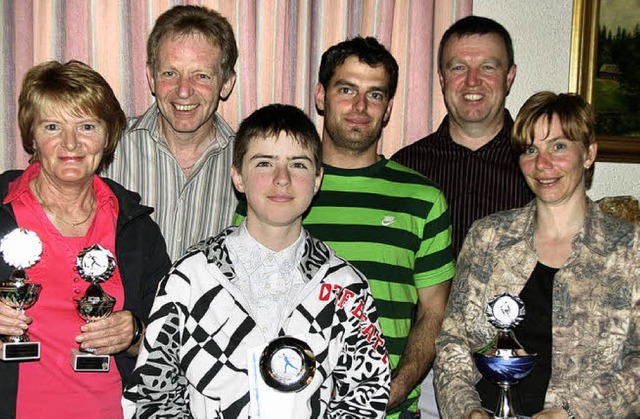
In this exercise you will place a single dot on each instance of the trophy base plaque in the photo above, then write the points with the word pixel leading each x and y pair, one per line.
pixel 20 351
pixel 86 362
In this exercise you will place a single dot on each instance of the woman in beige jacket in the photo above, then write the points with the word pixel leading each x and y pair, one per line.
pixel 576 269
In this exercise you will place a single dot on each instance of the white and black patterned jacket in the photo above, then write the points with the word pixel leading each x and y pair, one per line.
pixel 194 361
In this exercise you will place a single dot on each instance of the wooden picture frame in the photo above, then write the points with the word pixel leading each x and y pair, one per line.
pixel 584 50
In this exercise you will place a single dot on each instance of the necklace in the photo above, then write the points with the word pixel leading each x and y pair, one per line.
pixel 56 216
pixel 188 167
pixel 73 224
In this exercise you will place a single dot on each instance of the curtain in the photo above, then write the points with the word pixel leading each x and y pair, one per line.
pixel 280 44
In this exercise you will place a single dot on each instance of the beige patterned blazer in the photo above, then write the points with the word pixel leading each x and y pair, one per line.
pixel 596 313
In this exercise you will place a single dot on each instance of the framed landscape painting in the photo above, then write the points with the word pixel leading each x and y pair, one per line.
pixel 605 70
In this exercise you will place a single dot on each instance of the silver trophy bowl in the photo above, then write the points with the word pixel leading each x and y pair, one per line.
pixel 504 363
pixel 95 304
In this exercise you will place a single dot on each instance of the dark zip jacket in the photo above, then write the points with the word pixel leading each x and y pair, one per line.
pixel 142 259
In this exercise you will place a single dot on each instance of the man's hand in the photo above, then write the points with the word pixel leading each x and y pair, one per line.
pixel 108 336
pixel 398 393
pixel 420 351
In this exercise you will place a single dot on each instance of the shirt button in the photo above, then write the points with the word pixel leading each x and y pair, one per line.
pixel 267 286
pixel 179 239
pixel 75 279
pixel 77 291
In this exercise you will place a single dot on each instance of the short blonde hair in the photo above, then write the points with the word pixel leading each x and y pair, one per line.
pixel 574 113
pixel 75 88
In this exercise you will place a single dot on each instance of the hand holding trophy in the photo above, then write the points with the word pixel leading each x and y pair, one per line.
pixel 95 264
pixel 21 249
pixel 504 361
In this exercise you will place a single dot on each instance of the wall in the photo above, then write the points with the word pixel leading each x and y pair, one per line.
pixel 541 32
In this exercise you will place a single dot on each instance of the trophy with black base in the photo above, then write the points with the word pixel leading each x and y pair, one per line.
pixel 504 361
pixel 95 264
pixel 20 249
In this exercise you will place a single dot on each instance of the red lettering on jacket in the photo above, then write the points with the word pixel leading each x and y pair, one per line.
pixel 325 292
pixel 346 294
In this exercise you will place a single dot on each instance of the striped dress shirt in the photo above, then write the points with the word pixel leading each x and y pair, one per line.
pixel 475 183
pixel 187 208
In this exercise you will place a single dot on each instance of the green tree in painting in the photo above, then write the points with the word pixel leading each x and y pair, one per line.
pixel 617 83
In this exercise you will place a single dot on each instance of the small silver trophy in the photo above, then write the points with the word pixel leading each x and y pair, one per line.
pixel 21 249
pixel 504 361
pixel 95 264
pixel 287 364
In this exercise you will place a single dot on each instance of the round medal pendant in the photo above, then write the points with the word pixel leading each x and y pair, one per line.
pixel 287 364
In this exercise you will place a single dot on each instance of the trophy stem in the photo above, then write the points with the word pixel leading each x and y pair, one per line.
pixel 505 405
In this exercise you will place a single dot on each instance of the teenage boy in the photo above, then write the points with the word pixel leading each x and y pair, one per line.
pixel 390 222
pixel 264 320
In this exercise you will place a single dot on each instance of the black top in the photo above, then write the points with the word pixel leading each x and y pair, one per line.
pixel 475 183
pixel 534 334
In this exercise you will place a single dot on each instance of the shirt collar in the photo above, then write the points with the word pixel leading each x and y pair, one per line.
pixel 444 135
pixel 20 186
pixel 253 254
pixel 149 122
pixel 597 231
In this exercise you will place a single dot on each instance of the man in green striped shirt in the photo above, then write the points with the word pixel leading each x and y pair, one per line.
pixel 387 220
pixel 390 222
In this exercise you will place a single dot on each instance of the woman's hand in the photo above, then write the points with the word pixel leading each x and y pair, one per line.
pixel 108 336
pixel 12 322
pixel 552 413
pixel 475 414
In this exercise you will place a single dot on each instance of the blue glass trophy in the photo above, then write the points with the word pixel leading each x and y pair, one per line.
pixel 503 361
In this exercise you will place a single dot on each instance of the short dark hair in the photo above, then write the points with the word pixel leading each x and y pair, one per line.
pixel 368 50
pixel 476 25
pixel 271 120
pixel 574 113
pixel 73 87
pixel 188 20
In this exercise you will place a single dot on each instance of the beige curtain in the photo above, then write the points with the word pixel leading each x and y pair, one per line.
pixel 280 43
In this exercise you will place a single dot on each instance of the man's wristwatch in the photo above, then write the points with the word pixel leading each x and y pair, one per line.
pixel 570 413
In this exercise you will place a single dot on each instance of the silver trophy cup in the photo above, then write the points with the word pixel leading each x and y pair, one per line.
pixel 504 361
pixel 20 295
pixel 21 249
pixel 94 305
pixel 95 264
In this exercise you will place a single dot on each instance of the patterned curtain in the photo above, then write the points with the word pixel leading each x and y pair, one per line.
pixel 280 44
